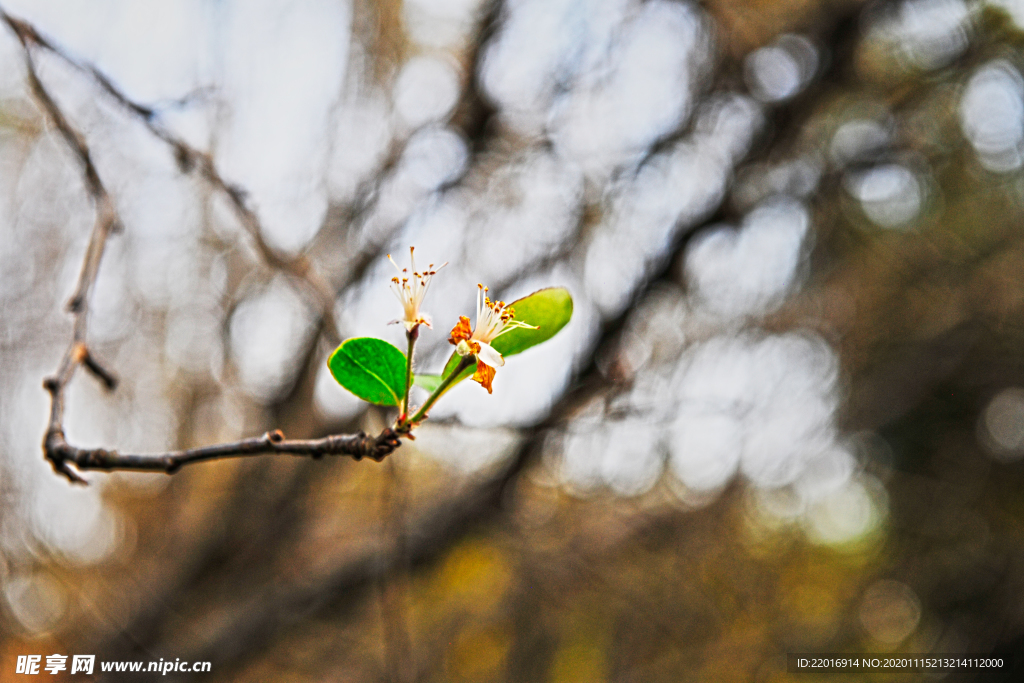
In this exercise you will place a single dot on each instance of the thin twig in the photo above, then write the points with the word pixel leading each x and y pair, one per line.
pixel 106 222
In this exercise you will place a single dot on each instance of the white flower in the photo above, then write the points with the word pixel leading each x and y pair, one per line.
pixel 410 290
pixel 493 319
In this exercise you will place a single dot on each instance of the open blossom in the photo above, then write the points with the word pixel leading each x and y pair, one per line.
pixel 493 319
pixel 410 290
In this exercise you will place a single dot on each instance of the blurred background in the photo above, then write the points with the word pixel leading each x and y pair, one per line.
pixel 787 415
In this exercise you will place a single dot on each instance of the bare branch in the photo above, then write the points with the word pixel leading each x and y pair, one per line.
pixel 358 446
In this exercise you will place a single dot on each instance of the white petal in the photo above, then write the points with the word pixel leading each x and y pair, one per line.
pixel 489 356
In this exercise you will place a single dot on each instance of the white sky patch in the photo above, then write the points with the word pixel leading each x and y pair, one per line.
pixel 1001 427
pixel 705 449
pixel 153 51
pixel 527 209
pixel 992 116
pixel 543 44
pixel 463 449
pixel 277 72
pixel 439 23
pixel 750 270
pixel 362 133
pixel 642 94
pixel 777 395
pixel 282 68
pixel 929 33
pixel 760 407
pixel 433 156
pixel 267 330
pixel 622 456
pixel 779 71
pixel 669 193
pixel 426 90
pixel 891 195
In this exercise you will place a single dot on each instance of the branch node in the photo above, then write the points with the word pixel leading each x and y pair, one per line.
pixel 382 446
pixel 276 436
pixel 58 453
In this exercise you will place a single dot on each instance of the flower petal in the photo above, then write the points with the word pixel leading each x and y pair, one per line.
pixel 484 375
pixel 461 331
pixel 488 355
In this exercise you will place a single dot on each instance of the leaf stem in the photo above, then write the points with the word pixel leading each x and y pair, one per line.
pixel 421 414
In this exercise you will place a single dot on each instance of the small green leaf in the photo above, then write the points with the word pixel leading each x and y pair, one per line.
pixel 428 382
pixel 372 369
pixel 549 310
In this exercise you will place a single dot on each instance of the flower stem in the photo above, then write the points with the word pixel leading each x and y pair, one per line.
pixel 421 414
pixel 411 335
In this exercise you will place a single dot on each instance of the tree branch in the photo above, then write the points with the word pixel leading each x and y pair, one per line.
pixel 358 446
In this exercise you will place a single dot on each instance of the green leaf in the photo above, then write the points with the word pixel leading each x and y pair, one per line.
pixel 549 310
pixel 372 369
pixel 428 382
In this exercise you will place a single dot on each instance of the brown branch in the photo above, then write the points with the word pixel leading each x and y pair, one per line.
pixel 358 446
